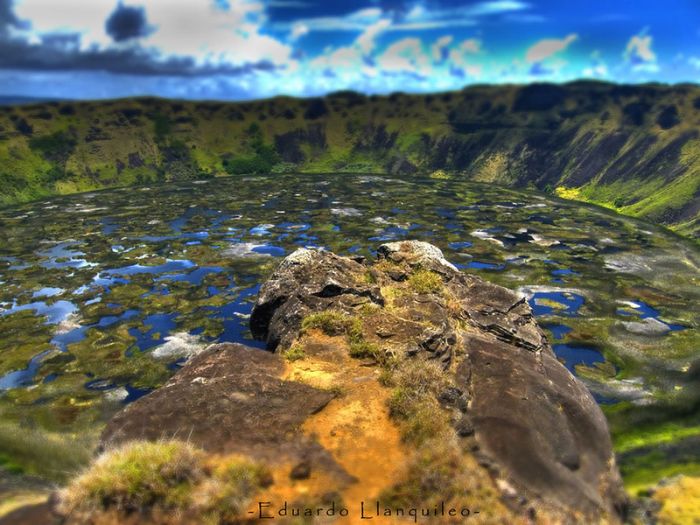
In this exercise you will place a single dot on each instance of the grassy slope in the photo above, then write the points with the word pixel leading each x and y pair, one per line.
pixel 632 148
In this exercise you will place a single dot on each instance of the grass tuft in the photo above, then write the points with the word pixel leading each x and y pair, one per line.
pixel 337 323
pixel 439 470
pixel 49 455
pixel 425 282
pixel 364 349
pixel 137 476
pixel 329 322
pixel 413 400
pixel 164 477
pixel 369 278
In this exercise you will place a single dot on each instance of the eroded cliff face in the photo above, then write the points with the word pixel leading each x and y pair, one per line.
pixel 399 383
pixel 628 147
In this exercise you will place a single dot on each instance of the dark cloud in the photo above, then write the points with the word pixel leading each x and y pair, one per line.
pixel 127 22
pixel 8 19
pixel 62 51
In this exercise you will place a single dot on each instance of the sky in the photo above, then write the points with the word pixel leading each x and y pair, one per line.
pixel 248 49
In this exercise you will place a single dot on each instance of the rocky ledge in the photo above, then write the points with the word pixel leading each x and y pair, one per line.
pixel 401 383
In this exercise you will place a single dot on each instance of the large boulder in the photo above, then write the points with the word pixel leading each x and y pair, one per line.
pixel 402 381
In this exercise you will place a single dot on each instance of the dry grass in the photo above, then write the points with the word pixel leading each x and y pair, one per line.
pixel 361 349
pixel 440 470
pixel 331 323
pixel 167 478
pixel 334 323
pixel 49 455
pixel 425 282
pixel 413 400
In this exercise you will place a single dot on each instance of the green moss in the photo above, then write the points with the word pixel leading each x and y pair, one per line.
pixel 439 474
pixel 24 336
pixel 654 442
pixel 228 492
pixel 294 353
pixel 162 127
pixel 103 355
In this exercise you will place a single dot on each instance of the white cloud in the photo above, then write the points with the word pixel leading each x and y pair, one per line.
pixel 342 58
pixel 548 47
pixel 599 71
pixel 695 62
pixel 197 29
pixel 598 68
pixel 73 16
pixel 214 36
pixel 350 60
pixel 289 4
pixel 366 41
pixel 461 63
pixel 640 55
pixel 419 18
pixel 639 50
pixel 439 48
pixel 480 9
pixel 647 67
pixel 355 21
pixel 416 19
pixel 471 46
pixel 433 24
pixel 406 55
pixel 461 58
pixel 498 6
pixel 298 30
pixel 417 12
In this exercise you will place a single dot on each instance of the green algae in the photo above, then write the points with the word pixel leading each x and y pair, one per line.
pixel 24 336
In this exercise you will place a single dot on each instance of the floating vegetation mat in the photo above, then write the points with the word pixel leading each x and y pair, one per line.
pixel 104 295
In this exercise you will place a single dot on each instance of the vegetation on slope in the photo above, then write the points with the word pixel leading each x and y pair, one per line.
pixel 631 148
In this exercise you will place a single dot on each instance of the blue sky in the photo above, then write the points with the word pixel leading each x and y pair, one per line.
pixel 242 49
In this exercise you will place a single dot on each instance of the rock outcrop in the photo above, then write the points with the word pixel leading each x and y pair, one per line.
pixel 402 382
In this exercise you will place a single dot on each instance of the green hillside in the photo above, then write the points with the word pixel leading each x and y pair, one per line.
pixel 632 148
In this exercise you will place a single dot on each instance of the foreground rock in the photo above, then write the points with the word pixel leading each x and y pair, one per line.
pixel 405 382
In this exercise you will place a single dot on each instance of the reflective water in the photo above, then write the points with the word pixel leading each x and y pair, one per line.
pixel 104 295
